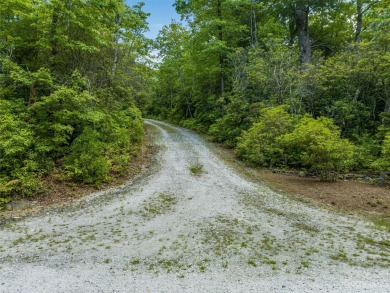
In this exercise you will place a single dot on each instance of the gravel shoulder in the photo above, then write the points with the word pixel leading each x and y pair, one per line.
pixel 192 224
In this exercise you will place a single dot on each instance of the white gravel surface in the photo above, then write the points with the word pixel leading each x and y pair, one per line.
pixel 175 231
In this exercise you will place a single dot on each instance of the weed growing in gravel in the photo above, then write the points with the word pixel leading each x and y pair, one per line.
pixel 378 250
pixel 107 261
pixel 158 205
pixel 305 264
pixel 202 267
pixel 252 263
pixel 151 267
pixel 276 212
pixel 90 237
pixel 169 265
pixel 306 227
pixel 38 238
pixel 135 262
pixel 8 225
pixel 381 222
pixel 18 241
pixel 196 169
pixel 270 262
pixel 340 256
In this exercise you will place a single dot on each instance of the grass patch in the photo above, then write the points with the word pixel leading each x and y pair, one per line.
pixel 306 227
pixel 18 241
pixel 270 262
pixel 378 249
pixel 107 261
pixel 252 263
pixel 341 256
pixel 159 205
pixel 305 264
pixel 196 169
pixel 171 265
pixel 381 221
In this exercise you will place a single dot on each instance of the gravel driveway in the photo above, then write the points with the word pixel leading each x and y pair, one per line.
pixel 192 224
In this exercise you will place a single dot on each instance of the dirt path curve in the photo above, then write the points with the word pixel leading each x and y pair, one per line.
pixel 175 231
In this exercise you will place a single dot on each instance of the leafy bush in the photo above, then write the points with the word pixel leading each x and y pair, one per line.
pixel 260 145
pixel 320 147
pixel 366 152
pixel 70 124
pixel 132 121
pixel 87 162
pixel 18 167
pixel 190 123
pixel 60 117
pixel 24 184
pixel 69 111
pixel 108 146
pixel 122 138
pixel 383 163
pixel 3 201
pixel 64 126
pixel 228 128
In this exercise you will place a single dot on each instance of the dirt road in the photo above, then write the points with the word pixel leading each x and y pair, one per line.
pixel 192 224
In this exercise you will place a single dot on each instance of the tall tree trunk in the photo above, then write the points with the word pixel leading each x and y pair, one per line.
pixel 53 41
pixel 117 22
pixel 171 97
pixel 302 24
pixel 182 82
pixel 33 93
pixel 221 55
pixel 386 96
pixel 359 21
pixel 253 24
pixel 292 30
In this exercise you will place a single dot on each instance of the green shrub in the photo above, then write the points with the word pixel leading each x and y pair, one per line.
pixel 190 123
pixel 228 128
pixel 383 163
pixel 60 117
pixel 21 183
pixel 122 135
pixel 320 147
pixel 18 169
pixel 87 162
pixel 131 120
pixel 62 121
pixel 366 152
pixel 65 120
pixel 3 201
pixel 260 145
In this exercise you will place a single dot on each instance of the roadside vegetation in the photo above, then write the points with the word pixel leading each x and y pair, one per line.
pixel 288 84
pixel 70 77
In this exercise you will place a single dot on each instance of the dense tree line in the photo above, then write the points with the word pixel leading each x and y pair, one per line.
pixel 70 74
pixel 298 83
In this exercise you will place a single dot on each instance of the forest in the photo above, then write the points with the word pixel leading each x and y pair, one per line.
pixel 297 84
pixel 70 74
pixel 302 84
